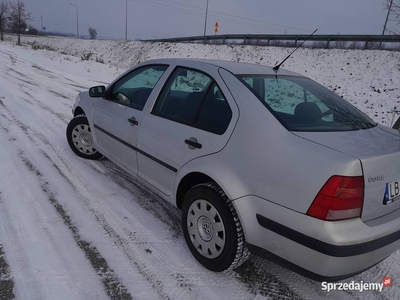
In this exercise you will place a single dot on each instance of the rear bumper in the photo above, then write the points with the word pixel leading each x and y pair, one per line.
pixel 326 248
pixel 320 250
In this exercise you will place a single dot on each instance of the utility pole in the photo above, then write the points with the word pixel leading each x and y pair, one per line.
pixel 41 23
pixel 205 22
pixel 77 20
pixel 126 21
pixel 387 17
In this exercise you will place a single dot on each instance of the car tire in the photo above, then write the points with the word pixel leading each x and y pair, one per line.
pixel 79 137
pixel 212 228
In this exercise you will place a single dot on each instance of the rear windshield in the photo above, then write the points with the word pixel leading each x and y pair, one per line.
pixel 301 104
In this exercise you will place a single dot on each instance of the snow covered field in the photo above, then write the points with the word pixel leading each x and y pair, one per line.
pixel 76 229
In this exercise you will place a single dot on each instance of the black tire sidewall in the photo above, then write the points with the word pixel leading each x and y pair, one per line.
pixel 228 255
pixel 72 124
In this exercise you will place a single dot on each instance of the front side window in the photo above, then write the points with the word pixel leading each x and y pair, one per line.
pixel 193 98
pixel 134 89
pixel 301 104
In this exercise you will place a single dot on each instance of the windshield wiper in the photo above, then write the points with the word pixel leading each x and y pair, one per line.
pixel 362 124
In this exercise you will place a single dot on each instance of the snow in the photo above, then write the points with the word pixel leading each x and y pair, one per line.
pixel 76 229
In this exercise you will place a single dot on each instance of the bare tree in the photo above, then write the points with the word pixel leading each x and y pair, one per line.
pixel 395 11
pixel 19 17
pixel 3 17
pixel 92 33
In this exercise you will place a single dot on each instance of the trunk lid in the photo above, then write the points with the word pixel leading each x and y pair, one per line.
pixel 378 150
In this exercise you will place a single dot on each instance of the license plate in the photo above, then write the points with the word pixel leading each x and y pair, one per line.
pixel 392 192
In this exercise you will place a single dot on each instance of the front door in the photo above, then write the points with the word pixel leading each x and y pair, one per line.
pixel 117 118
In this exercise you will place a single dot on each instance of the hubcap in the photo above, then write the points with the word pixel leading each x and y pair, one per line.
pixel 206 229
pixel 85 139
pixel 82 138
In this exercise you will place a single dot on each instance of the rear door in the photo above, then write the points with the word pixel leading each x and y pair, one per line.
pixel 194 116
pixel 116 119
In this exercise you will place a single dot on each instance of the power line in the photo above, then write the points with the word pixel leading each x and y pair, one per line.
pixel 202 13
pixel 172 8
pixel 236 16
pixel 191 12
pixel 102 29
pixel 186 9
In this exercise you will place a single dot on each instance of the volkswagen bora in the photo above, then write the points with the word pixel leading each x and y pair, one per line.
pixel 257 159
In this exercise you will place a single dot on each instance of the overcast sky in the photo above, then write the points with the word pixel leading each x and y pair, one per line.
pixel 170 18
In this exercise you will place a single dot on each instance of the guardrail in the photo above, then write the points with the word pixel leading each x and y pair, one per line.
pixel 387 42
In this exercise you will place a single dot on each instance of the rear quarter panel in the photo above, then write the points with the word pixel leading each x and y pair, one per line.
pixel 263 158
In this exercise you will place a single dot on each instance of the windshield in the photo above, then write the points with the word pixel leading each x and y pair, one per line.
pixel 301 104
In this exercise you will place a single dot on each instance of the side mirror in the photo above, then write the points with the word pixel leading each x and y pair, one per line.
pixel 97 91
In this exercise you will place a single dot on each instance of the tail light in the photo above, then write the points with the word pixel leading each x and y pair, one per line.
pixel 340 198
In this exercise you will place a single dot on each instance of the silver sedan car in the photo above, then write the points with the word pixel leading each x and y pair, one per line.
pixel 257 159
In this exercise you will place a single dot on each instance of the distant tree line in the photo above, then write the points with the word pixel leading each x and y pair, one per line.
pixel 14 18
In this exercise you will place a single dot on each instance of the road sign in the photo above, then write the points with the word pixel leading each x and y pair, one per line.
pixel 216 27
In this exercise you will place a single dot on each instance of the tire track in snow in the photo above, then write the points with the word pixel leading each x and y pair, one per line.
pixel 63 118
pixel 259 281
pixel 22 78
pixel 35 104
pixel 122 242
pixel 113 287
pixel 163 211
pixel 145 198
pixel 6 281
pixel 78 87
pixel 149 201
pixel 44 72
pixel 12 57
pixel 46 108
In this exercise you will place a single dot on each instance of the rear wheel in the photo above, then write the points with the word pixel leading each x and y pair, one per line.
pixel 79 136
pixel 212 228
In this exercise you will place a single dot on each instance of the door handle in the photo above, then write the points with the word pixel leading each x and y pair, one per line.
pixel 132 121
pixel 193 143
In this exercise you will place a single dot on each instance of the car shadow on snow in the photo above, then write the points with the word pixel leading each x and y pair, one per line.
pixel 151 202
pixel 6 281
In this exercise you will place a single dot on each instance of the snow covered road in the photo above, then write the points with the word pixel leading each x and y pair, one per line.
pixel 76 229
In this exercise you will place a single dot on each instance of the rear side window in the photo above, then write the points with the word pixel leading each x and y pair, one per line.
pixel 284 96
pixel 301 104
pixel 193 98
pixel 215 114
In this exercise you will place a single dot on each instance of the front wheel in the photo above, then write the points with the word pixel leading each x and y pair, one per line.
pixel 212 228
pixel 79 136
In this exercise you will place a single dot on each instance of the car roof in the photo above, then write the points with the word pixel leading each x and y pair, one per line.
pixel 233 67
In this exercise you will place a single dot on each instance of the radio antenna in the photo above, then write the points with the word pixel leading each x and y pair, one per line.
pixel 276 68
